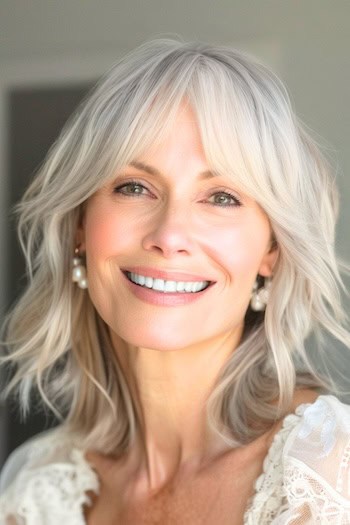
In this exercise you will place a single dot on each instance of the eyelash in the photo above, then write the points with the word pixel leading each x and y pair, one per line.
pixel 236 203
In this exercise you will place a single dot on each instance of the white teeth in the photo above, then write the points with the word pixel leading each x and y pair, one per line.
pixel 142 279
pixel 148 280
pixel 170 286
pixel 167 286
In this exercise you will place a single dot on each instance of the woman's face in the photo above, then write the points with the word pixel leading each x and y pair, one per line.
pixel 174 217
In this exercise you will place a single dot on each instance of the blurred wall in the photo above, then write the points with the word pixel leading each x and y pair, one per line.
pixel 43 42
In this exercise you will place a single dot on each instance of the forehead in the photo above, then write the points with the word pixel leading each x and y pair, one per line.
pixel 182 131
pixel 179 147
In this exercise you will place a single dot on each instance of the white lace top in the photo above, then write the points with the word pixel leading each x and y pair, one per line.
pixel 305 479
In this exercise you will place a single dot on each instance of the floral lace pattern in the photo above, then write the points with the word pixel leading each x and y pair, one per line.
pixel 305 479
pixel 306 474
pixel 324 504
pixel 45 493
pixel 270 499
pixel 320 414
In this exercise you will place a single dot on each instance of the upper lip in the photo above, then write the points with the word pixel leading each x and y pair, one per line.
pixel 165 275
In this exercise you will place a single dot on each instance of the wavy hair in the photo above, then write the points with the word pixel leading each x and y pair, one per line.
pixel 55 339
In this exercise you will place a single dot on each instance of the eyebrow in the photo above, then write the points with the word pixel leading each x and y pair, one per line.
pixel 153 171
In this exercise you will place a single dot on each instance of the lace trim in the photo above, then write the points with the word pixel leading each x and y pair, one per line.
pixel 343 469
pixel 64 484
pixel 269 498
pixel 323 502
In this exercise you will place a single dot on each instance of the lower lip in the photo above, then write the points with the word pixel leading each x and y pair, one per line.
pixel 165 299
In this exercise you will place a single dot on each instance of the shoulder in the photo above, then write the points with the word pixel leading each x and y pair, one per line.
pixel 49 472
pixel 13 465
pixel 323 427
pixel 42 449
pixel 25 455
pixel 316 458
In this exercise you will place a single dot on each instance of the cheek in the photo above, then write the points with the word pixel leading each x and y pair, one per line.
pixel 239 250
pixel 105 235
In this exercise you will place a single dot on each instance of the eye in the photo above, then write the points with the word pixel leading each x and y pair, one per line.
pixel 132 185
pixel 135 188
pixel 224 199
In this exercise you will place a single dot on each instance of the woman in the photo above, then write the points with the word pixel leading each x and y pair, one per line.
pixel 180 248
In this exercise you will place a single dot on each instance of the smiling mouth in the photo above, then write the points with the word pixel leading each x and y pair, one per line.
pixel 162 290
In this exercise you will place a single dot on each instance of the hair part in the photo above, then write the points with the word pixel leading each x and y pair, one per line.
pixel 56 340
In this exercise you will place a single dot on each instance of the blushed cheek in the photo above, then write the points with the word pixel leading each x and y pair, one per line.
pixel 239 251
pixel 106 237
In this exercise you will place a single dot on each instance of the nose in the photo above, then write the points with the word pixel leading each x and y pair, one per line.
pixel 170 232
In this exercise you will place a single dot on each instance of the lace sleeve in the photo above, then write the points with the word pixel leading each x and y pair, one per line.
pixel 13 465
pixel 316 466
pixel 51 487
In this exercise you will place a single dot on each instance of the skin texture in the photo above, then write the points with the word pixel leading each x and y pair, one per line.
pixel 171 356
pixel 216 493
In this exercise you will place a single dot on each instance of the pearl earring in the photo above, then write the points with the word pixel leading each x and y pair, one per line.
pixel 79 270
pixel 260 297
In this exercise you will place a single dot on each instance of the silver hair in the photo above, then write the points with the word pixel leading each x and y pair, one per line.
pixel 56 340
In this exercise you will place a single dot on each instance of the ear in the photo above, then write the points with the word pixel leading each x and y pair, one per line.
pixel 269 261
